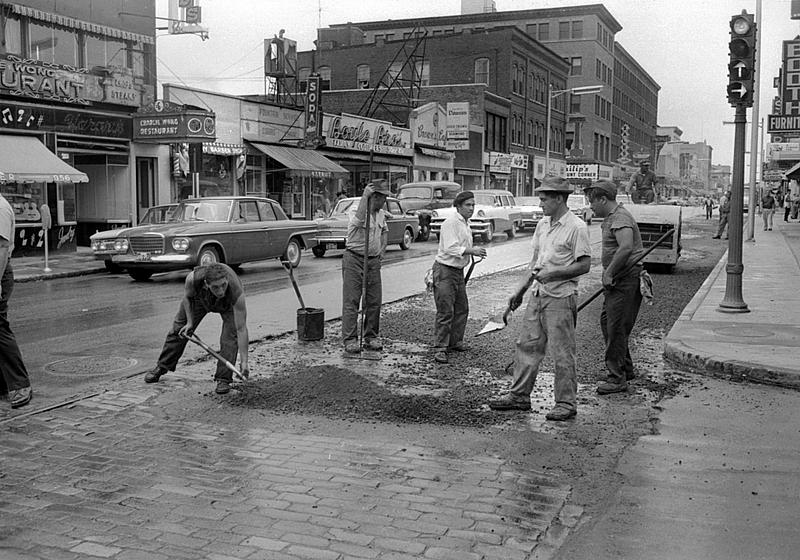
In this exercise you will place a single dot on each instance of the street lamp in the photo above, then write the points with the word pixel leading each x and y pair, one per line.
pixel 552 94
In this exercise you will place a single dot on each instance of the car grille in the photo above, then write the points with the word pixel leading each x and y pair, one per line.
pixel 147 244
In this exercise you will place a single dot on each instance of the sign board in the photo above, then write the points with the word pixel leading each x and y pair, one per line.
pixel 585 171
pixel 313 129
pixel 499 162
pixel 795 13
pixel 777 124
pixel 164 123
pixel 772 175
pixel 458 121
pixel 790 79
pixel 18 116
pixel 519 161
pixel 429 126
pixel 361 134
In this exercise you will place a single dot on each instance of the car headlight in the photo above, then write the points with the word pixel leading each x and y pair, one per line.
pixel 120 245
pixel 95 245
pixel 481 214
pixel 180 244
pixel 434 214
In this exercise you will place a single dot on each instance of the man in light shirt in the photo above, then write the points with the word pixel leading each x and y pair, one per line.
pixel 449 287
pixel 561 253
pixel 359 244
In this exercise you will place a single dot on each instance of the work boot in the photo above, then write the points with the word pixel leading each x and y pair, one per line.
pixel 715 237
pixel 459 346
pixel 510 403
pixel 608 388
pixel 440 357
pixel 20 397
pixel 373 344
pixel 154 375
pixel 223 387
pixel 561 413
pixel 352 347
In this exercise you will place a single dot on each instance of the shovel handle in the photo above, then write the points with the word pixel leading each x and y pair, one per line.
pixel 196 339
pixel 288 266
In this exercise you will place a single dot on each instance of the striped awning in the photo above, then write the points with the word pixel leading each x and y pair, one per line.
pixel 302 162
pixel 75 23
pixel 24 159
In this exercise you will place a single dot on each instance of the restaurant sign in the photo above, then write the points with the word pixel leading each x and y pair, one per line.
pixel 583 171
pixel 351 132
pixel 164 122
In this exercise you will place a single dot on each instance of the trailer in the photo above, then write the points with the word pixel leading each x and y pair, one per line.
pixel 654 220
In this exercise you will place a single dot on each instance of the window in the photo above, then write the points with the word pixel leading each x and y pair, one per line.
pixel 544 31
pixel 482 71
pixel 362 76
pixel 13 34
pixel 575 104
pixel 576 66
pixel 40 42
pixel 577 29
pixel 422 69
pixel 390 36
pixel 563 30
pixel 394 72
pixel 302 79
pixel 325 77
pixel 496 133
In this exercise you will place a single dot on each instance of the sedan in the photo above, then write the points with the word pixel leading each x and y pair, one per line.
pixel 232 230
pixel 531 210
pixel 332 231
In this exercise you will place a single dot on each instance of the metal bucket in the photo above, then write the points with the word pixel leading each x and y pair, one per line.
pixel 310 323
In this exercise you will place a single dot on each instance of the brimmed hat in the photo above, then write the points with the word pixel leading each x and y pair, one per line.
pixel 462 197
pixel 645 162
pixel 554 184
pixel 380 186
pixel 606 187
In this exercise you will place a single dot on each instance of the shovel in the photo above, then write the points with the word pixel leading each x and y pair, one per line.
pixel 196 339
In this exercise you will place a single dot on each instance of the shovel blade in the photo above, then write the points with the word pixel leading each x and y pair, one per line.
pixel 491 326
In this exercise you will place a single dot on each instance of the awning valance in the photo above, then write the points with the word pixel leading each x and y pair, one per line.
pixel 302 162
pixel 24 159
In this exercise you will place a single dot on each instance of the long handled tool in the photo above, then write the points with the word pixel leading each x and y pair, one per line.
pixel 288 267
pixel 471 267
pixel 501 323
pixel 196 339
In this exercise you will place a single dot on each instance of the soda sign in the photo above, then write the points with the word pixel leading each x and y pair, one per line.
pixel 313 110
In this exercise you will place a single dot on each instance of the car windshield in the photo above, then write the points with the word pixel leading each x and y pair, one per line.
pixel 414 192
pixel 203 211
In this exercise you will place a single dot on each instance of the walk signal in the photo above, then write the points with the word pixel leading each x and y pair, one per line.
pixel 741 69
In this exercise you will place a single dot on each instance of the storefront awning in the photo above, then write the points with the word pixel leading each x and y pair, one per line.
pixel 793 172
pixel 304 162
pixel 24 159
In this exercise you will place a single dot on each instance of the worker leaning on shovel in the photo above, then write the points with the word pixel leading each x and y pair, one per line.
pixel 363 250
pixel 561 253
pixel 214 288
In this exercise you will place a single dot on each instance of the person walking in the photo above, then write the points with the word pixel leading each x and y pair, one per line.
pixel 768 204
pixel 709 205
pixel 213 288
pixel 642 185
pixel 787 206
pixel 353 262
pixel 449 286
pixel 561 253
pixel 14 379
pixel 622 247
pixel 724 213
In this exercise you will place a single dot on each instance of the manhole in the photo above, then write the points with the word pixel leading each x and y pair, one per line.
pixel 90 365
pixel 750 332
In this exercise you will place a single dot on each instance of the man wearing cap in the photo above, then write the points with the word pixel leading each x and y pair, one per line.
pixel 561 253
pixel 643 184
pixel 360 244
pixel 449 287
pixel 622 247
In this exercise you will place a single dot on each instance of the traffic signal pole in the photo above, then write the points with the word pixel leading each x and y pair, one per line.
pixel 733 301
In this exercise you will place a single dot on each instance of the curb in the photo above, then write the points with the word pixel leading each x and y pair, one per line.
pixel 51 275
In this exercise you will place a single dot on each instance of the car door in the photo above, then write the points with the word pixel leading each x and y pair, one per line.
pixel 278 228
pixel 395 221
pixel 248 235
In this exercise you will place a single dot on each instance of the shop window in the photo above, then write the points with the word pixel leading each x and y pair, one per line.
pixel 13 34
pixel 482 71
pixel 362 76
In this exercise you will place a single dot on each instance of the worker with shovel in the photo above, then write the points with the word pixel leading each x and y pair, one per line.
pixel 367 237
pixel 214 288
pixel 449 284
pixel 561 253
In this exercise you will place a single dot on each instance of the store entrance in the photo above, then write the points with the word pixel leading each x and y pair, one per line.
pixel 146 185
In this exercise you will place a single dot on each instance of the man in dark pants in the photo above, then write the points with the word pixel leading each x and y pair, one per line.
pixel 449 286
pixel 14 379
pixel 622 246
pixel 372 200
pixel 213 288
pixel 643 184
pixel 724 213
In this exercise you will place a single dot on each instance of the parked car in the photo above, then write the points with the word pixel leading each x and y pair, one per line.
pixel 331 232
pixel 579 205
pixel 229 229
pixel 424 197
pixel 104 243
pixel 531 211
pixel 495 210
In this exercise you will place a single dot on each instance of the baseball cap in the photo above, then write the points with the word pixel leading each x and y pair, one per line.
pixel 607 187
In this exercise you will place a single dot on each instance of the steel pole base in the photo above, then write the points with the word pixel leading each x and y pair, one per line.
pixel 733 307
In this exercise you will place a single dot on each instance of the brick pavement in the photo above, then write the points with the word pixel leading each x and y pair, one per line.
pixel 119 476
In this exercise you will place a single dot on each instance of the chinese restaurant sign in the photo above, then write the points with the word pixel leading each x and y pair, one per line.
pixel 19 116
pixel 351 132
pixel 165 123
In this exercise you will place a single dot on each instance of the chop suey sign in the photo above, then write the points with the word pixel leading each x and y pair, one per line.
pixel 352 132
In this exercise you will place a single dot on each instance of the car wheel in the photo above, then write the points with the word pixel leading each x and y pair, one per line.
pixel 318 250
pixel 588 220
pixel 292 254
pixel 112 268
pixel 487 235
pixel 140 275
pixel 511 233
pixel 208 255
pixel 408 239
pixel 424 233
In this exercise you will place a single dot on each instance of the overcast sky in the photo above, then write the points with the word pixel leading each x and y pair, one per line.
pixel 682 44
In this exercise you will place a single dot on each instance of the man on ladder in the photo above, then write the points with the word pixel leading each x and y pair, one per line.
pixel 367 237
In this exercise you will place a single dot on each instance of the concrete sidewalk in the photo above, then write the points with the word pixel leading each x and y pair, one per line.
pixel 762 345
pixel 61 265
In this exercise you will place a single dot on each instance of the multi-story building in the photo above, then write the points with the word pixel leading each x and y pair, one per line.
pixel 71 75
pixel 720 178
pixel 509 106
pixel 584 36
pixel 686 168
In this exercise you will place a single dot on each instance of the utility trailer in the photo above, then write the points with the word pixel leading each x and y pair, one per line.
pixel 654 220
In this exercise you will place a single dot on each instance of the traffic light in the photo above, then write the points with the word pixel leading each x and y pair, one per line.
pixel 741 69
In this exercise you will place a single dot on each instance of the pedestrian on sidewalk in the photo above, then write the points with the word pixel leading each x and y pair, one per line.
pixel 768 204
pixel 14 379
pixel 561 253
pixel 724 213
pixel 622 247
pixel 353 263
pixel 787 206
pixel 449 286
pixel 709 205
pixel 213 288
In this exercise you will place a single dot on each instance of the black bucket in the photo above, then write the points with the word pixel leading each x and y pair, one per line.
pixel 310 323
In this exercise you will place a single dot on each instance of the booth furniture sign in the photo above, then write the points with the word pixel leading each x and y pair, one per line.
pixel 351 132
pixel 165 123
